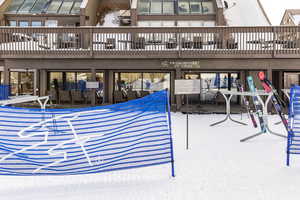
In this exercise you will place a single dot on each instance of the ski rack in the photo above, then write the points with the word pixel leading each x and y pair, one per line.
pixel 258 93
pixel 265 115
pixel 228 107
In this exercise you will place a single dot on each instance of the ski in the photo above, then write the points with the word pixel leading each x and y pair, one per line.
pixel 268 87
pixel 276 100
pixel 257 104
pixel 246 103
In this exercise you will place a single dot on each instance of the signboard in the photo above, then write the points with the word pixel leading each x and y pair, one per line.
pixel 189 86
pixel 181 64
pixel 92 84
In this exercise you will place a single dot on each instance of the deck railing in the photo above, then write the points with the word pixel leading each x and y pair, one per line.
pixel 138 42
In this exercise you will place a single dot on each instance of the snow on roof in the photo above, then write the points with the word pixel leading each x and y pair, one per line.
pixel 111 19
pixel 296 19
pixel 245 13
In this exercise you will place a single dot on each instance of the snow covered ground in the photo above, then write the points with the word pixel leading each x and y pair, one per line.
pixel 217 166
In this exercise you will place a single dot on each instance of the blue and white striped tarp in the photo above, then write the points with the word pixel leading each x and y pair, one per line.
pixel 89 140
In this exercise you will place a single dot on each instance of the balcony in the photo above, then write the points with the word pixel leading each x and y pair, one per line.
pixel 141 43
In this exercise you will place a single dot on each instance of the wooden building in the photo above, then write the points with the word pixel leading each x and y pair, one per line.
pixel 136 47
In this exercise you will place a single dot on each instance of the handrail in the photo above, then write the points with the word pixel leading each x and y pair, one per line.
pixel 156 42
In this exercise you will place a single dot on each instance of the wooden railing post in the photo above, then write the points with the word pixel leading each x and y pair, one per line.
pixel 274 42
pixel 91 39
pixel 179 41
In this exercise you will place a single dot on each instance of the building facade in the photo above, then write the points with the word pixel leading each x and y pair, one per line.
pixel 133 48
pixel 291 17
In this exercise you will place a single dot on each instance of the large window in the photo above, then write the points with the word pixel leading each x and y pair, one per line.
pixel 56 78
pixel 184 7
pixel 208 8
pixel 71 80
pixel 168 7
pixel 128 81
pixel 44 6
pixel 144 6
pixel 180 23
pixel 156 81
pixel 211 83
pixel 76 8
pixel 22 83
pixel 38 6
pixel 290 79
pixel 54 6
pixel 12 23
pixel 27 5
pixel 36 23
pixel 23 23
pixel 196 6
pixel 14 6
pixel 66 7
pixel 141 83
pixel 156 7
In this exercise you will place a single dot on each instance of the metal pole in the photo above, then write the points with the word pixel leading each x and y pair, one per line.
pixel 170 129
pixel 187 122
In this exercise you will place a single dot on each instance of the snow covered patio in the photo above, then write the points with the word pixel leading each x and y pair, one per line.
pixel 217 166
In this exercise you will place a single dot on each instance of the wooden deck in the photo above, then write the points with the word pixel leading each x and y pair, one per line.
pixel 156 43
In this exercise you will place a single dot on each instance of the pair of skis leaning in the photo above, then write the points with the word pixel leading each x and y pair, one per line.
pixel 246 103
pixel 276 101
pixel 258 109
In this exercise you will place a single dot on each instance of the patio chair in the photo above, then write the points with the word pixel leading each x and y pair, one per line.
pixel 131 95
pixel 226 44
pixel 64 96
pixel 110 43
pixel 171 43
pixel 53 97
pixel 290 44
pixel 118 97
pixel 138 43
pixel 197 43
pixel 187 44
pixel 218 42
pixel 219 98
pixel 77 96
pixel 231 44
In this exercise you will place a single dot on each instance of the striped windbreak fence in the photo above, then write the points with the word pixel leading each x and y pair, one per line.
pixel 133 134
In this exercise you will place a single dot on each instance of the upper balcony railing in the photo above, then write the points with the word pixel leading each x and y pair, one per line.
pixel 137 42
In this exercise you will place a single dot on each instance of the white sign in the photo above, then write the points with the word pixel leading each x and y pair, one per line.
pixel 92 85
pixel 187 86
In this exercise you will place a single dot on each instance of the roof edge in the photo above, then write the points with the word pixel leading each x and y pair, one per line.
pixel 264 12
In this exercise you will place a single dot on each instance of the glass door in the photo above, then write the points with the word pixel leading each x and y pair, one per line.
pixel 211 83
pixel 22 83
